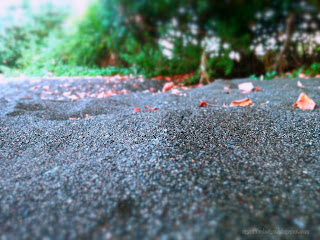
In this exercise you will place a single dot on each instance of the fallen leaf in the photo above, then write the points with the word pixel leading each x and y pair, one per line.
pixel 46 88
pixel 35 87
pixel 136 110
pixel 196 85
pixel 151 109
pixel 304 102
pixel 243 102
pixel 246 87
pixel 74 97
pixel 203 104
pixel 258 89
pixel 299 84
pixel 72 119
pixel 167 86
pixel 158 77
pixel 264 103
pixel 302 75
pixel 178 93
pixel 107 94
pixel 184 88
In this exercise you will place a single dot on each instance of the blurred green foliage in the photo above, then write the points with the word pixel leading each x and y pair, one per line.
pixel 124 36
pixel 20 34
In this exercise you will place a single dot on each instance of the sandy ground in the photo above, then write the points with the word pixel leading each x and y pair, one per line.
pixel 179 172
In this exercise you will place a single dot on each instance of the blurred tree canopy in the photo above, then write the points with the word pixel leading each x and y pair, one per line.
pixel 239 25
pixel 238 37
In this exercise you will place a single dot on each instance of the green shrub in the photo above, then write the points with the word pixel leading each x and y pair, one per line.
pixel 31 29
pixel 220 67
pixel 314 69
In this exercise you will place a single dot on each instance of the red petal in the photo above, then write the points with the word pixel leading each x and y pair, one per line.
pixel 202 104
pixel 136 110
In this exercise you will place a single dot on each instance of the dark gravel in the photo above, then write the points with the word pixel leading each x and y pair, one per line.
pixel 180 172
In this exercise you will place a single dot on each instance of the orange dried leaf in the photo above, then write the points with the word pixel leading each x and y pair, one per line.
pixel 304 102
pixel 242 102
pixel 203 104
pixel 167 86
pixel 136 110
pixel 258 89
pixel 72 119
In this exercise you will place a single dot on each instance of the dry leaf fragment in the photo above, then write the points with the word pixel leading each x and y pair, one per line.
pixel 136 110
pixel 72 119
pixel 243 102
pixel 151 109
pixel 203 104
pixel 246 87
pixel 167 86
pixel 302 75
pixel 304 102
pixel 299 84
pixel 264 103
pixel 74 97
pixel 258 89
pixel 46 88
pixel 178 93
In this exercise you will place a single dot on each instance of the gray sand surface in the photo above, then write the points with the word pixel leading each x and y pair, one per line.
pixel 180 172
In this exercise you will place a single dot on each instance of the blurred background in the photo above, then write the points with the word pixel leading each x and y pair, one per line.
pixel 217 39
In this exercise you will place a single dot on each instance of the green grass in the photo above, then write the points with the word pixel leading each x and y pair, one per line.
pixel 311 71
pixel 68 71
